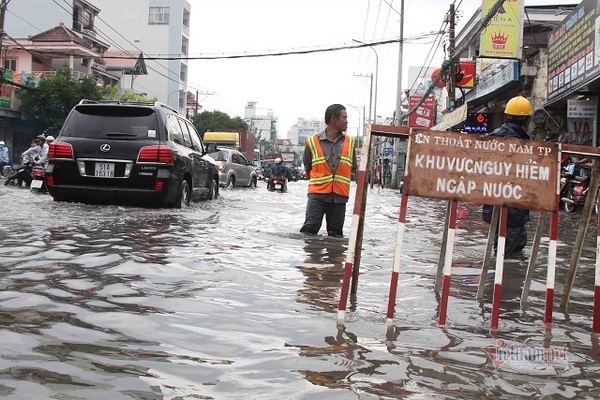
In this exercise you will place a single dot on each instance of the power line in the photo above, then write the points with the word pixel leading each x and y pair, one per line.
pixel 286 53
pixel 453 57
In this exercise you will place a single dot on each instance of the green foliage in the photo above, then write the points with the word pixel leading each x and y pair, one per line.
pixel 56 95
pixel 134 97
pixel 217 121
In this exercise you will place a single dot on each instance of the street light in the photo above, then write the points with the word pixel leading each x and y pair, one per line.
pixel 358 129
pixel 172 93
pixel 376 77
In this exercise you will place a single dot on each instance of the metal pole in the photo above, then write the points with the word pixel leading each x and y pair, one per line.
pixel 400 50
pixel 376 78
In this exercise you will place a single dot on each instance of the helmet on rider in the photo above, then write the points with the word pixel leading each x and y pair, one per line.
pixel 278 160
pixel 41 137
pixel 2 143
pixel 50 139
pixel 518 106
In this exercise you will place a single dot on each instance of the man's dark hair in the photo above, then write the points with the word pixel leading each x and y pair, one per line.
pixel 333 110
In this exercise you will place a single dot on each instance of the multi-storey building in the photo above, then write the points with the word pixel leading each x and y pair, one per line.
pixel 263 126
pixel 301 130
pixel 157 28
pixel 128 29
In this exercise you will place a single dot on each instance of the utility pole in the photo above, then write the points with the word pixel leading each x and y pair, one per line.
pixel 451 86
pixel 400 55
pixel 399 91
pixel 3 5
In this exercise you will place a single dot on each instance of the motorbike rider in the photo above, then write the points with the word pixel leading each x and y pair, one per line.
pixel 38 153
pixel 4 159
pixel 280 171
pixel 518 112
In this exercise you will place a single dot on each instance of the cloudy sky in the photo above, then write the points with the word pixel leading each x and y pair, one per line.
pixel 294 86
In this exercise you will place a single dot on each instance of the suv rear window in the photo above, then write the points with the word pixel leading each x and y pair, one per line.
pixel 124 122
pixel 219 155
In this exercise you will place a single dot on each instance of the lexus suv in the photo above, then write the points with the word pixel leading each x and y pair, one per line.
pixel 140 153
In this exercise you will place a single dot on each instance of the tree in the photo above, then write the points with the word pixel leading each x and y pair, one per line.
pixel 55 95
pixel 132 97
pixel 217 121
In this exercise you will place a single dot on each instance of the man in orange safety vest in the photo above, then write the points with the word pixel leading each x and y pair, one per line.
pixel 329 160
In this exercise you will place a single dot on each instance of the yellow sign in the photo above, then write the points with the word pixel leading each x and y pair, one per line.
pixel 503 37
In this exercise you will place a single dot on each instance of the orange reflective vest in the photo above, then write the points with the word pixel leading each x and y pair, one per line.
pixel 322 179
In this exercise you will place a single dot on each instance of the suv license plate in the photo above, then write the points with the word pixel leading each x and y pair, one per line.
pixel 104 170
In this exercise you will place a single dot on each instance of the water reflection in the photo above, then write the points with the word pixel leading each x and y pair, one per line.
pixel 227 300
pixel 323 271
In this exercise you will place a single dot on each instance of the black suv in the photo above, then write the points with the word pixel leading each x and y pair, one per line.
pixel 142 153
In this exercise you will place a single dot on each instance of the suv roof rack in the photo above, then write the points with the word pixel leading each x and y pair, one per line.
pixel 159 104
pixel 146 103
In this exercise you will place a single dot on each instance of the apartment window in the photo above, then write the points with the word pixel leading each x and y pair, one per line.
pixel 186 18
pixel 158 16
pixel 10 64
pixel 184 46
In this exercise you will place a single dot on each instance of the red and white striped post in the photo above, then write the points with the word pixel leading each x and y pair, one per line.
pixel 356 214
pixel 447 272
pixel 596 320
pixel 551 273
pixel 499 267
pixel 397 260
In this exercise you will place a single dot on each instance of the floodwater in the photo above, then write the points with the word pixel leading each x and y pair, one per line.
pixel 226 300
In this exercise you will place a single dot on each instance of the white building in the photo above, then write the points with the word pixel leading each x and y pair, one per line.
pixel 262 125
pixel 154 28
pixel 303 128
pixel 157 28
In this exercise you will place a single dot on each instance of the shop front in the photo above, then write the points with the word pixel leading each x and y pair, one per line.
pixel 574 73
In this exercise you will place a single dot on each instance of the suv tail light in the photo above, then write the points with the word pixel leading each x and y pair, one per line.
pixel 156 154
pixel 58 149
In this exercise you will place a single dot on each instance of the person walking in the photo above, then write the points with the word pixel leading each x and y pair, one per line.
pixel 329 160
pixel 518 111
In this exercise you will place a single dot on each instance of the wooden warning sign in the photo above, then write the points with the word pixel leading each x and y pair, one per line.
pixel 482 169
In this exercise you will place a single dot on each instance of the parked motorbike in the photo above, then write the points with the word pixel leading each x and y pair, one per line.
pixel 38 182
pixel 21 175
pixel 277 183
pixel 575 185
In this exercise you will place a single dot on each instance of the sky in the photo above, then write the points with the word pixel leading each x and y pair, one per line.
pixel 302 86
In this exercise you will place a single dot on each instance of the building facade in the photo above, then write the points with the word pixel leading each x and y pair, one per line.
pixel 128 29
pixel 156 28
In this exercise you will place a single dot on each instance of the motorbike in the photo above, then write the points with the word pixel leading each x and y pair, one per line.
pixel 21 174
pixel 575 185
pixel 277 183
pixel 38 182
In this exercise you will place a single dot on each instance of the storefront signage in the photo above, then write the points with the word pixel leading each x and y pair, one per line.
pixel 503 36
pixel 580 108
pixel 424 115
pixel 5 90
pixel 482 169
pixel 452 119
pixel 504 74
pixel 574 50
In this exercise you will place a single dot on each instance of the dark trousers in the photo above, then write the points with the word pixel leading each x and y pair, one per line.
pixel 334 217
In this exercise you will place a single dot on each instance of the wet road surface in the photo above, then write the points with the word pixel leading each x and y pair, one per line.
pixel 226 300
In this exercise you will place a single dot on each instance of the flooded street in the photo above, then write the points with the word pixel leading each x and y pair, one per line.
pixel 227 300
